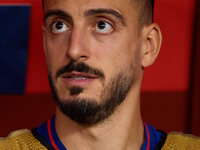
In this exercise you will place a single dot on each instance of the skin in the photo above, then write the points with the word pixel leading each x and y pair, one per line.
pixel 111 51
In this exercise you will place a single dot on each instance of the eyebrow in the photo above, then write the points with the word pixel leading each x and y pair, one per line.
pixel 112 12
pixel 91 12
pixel 55 13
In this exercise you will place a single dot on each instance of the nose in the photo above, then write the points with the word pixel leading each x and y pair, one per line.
pixel 78 46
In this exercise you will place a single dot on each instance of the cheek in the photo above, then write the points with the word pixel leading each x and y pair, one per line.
pixel 115 49
pixel 55 53
pixel 116 56
pixel 56 43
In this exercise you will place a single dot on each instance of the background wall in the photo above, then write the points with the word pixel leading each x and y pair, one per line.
pixel 167 97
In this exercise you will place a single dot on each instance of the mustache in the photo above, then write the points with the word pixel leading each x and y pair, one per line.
pixel 80 67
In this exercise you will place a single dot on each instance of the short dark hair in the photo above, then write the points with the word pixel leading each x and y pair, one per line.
pixel 145 10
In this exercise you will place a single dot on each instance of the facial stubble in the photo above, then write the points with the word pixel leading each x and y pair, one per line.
pixel 87 111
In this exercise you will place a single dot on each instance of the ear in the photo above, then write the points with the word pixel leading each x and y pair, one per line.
pixel 152 39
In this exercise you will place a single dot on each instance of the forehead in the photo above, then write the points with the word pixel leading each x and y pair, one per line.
pixel 123 7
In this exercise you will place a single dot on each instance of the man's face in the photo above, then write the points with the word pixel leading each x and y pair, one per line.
pixel 93 55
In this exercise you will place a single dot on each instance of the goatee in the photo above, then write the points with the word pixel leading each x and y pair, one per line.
pixel 87 111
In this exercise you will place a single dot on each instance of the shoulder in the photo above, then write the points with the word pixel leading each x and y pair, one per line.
pixel 181 141
pixel 21 139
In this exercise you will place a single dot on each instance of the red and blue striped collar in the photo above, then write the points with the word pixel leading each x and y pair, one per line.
pixel 47 131
pixel 49 125
pixel 147 134
pixel 153 137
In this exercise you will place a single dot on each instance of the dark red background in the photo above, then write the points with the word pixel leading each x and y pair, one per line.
pixel 166 101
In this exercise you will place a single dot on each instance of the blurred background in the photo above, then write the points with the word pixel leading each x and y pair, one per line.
pixel 170 98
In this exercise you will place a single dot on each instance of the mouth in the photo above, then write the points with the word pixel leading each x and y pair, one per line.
pixel 78 75
pixel 77 78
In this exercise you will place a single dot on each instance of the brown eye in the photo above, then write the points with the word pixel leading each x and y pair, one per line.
pixel 103 27
pixel 59 26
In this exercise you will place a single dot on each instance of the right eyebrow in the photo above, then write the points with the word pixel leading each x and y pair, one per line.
pixel 112 12
pixel 55 13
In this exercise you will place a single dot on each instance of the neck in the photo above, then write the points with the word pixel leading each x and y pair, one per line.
pixel 123 131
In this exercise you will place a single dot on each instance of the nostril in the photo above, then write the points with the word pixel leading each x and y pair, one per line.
pixel 82 58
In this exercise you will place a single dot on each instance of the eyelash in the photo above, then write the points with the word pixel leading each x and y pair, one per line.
pixel 99 20
pixel 59 20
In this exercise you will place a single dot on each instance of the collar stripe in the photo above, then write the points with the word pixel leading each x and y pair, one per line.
pixel 50 134
pixel 148 136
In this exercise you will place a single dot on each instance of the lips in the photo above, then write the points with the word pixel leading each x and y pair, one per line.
pixel 77 78
pixel 78 75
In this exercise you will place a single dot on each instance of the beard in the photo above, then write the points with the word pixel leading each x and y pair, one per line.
pixel 87 111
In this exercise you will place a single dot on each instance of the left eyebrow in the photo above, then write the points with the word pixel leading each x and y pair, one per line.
pixel 56 12
pixel 112 12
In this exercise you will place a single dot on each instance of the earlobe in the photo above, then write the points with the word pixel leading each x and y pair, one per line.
pixel 152 40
